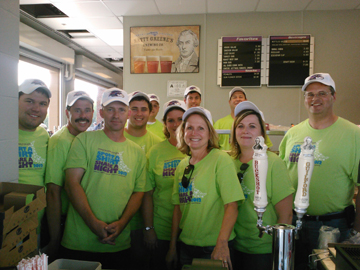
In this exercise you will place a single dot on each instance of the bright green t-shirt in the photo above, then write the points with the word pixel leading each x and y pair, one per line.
pixel 157 129
pixel 278 187
pixel 58 150
pixel 163 159
pixel 145 142
pixel 213 184
pixel 113 171
pixel 224 139
pixel 337 155
pixel 32 156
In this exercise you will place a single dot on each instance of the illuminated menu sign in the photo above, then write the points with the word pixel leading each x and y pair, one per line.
pixel 289 60
pixel 241 61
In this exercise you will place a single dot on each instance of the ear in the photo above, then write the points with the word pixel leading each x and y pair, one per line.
pixel 101 113
pixel 67 113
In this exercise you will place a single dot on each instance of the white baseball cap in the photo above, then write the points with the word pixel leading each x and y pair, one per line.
pixel 154 97
pixel 174 103
pixel 138 94
pixel 73 96
pixel 235 89
pixel 114 94
pixel 323 78
pixel 198 109
pixel 248 105
pixel 30 85
pixel 192 88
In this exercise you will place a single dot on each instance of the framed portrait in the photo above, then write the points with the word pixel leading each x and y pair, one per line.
pixel 165 49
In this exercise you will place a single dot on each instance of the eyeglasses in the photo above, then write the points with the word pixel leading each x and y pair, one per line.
pixel 186 180
pixel 310 95
pixel 243 169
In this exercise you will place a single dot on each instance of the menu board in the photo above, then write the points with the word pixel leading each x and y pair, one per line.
pixel 241 61
pixel 289 60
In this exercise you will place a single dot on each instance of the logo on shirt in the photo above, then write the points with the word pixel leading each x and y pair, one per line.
pixel 295 153
pixel 110 163
pixel 190 194
pixel 170 167
pixel 28 157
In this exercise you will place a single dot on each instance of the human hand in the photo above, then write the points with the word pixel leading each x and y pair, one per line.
pixel 98 228
pixel 221 252
pixel 113 231
pixel 171 259
pixel 150 239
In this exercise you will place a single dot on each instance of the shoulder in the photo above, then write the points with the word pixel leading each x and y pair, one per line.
pixel 155 138
pixel 348 125
pixel 40 131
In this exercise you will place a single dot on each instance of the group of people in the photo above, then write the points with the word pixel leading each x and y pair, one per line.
pixel 140 194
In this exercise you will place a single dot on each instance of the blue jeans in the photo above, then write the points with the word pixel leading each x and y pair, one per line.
pixel 309 235
pixel 188 252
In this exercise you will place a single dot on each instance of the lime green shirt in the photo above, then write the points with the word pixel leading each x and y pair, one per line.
pixel 225 139
pixel 157 129
pixel 213 184
pixel 32 156
pixel 113 171
pixel 336 166
pixel 58 150
pixel 163 158
pixel 278 187
pixel 145 142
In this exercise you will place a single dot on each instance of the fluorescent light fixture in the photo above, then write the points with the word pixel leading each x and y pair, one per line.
pixel 113 37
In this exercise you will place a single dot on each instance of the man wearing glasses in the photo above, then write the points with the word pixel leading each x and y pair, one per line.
pixel 337 155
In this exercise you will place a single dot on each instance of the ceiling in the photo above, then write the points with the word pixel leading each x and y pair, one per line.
pixel 103 19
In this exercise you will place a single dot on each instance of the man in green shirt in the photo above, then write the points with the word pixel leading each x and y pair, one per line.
pixel 79 111
pixel 154 125
pixel 192 96
pixel 140 108
pixel 105 181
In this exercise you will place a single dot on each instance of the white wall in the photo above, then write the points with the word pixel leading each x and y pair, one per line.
pixel 9 57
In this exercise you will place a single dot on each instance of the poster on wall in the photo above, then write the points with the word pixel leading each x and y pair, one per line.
pixel 165 49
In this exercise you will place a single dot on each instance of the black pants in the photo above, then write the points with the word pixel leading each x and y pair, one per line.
pixel 242 261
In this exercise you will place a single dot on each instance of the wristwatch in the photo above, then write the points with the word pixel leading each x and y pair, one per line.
pixel 149 228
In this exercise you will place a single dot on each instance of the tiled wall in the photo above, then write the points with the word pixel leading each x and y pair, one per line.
pixel 9 56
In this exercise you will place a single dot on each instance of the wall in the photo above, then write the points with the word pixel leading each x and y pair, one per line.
pixel 9 57
pixel 337 52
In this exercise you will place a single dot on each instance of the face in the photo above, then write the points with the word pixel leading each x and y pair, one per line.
pixel 186 45
pixel 80 116
pixel 155 108
pixel 197 133
pixel 139 113
pixel 115 115
pixel 192 100
pixel 247 131
pixel 32 110
pixel 173 120
pixel 235 99
pixel 319 105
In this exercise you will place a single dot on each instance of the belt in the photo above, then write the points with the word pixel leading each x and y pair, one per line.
pixel 327 217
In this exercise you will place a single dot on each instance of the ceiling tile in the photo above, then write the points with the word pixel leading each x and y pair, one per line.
pixel 101 49
pixel 30 2
pixel 110 54
pixel 84 9
pixel 333 4
pixel 181 6
pixel 132 7
pixel 230 6
pixel 64 23
pixel 281 5
pixel 104 23
pixel 119 49
pixel 89 42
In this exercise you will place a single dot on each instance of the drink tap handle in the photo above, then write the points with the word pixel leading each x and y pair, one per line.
pixel 260 167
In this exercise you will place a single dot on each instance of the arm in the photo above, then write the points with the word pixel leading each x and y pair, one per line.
pixel 284 210
pixel 53 212
pixel 80 203
pixel 114 229
pixel 221 251
pixel 147 210
pixel 357 215
pixel 171 256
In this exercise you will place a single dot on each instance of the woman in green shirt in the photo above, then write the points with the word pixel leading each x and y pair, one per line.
pixel 163 158
pixel 250 251
pixel 205 194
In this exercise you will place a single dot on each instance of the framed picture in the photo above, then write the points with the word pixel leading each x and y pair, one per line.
pixel 165 49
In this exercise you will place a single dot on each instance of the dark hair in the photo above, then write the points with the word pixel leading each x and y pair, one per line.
pixel 235 147
pixel 39 90
pixel 140 98
pixel 165 131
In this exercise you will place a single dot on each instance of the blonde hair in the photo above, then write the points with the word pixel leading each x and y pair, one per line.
pixel 235 147
pixel 180 132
